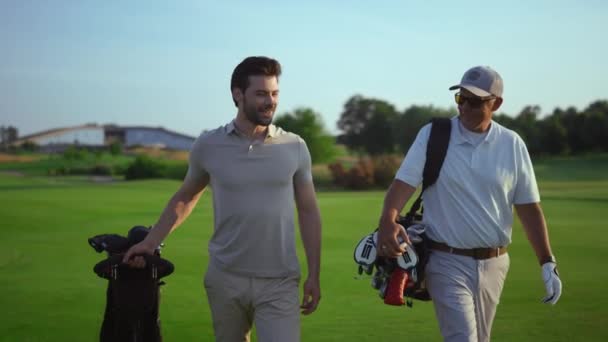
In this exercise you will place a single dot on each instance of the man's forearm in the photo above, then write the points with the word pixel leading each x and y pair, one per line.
pixel 310 230
pixel 533 222
pixel 177 210
pixel 397 195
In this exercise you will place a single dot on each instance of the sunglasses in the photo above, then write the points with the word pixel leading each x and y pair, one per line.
pixel 474 102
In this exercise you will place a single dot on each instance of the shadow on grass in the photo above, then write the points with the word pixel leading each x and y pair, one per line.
pixel 581 199
pixel 35 187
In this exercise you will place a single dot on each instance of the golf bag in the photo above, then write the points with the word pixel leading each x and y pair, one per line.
pixel 133 294
pixel 396 278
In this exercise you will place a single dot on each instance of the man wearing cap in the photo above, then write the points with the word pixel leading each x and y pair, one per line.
pixel 468 213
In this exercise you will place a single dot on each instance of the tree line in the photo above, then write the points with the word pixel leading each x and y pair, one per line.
pixel 371 126
pixel 8 134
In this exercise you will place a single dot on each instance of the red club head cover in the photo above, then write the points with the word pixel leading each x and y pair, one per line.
pixel 395 287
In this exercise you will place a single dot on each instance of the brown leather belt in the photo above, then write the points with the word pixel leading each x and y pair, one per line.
pixel 475 253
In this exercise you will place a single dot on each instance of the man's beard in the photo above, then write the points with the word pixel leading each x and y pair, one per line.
pixel 255 115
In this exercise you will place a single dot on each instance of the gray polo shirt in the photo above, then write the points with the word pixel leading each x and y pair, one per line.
pixel 471 205
pixel 253 198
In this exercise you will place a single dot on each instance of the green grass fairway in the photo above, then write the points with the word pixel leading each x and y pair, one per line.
pixel 50 293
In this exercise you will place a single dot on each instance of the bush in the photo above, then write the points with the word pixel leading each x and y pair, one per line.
pixel 101 170
pixel 145 167
pixel 338 174
pixel 56 171
pixel 75 153
pixel 176 171
pixel 119 169
pixel 321 177
pixel 116 148
pixel 366 173
pixel 65 170
pixel 361 175
pixel 385 168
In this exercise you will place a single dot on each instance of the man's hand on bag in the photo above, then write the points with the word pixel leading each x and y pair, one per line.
pixel 388 243
pixel 133 256
pixel 553 284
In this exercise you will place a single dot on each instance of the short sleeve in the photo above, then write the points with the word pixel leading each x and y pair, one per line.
pixel 526 189
pixel 411 169
pixel 195 160
pixel 303 172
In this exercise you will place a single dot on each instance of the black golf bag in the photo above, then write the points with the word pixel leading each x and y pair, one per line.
pixel 133 294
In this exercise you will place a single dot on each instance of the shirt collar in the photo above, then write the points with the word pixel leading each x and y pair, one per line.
pixel 231 129
pixel 492 134
pixel 272 131
pixel 457 136
pixel 460 139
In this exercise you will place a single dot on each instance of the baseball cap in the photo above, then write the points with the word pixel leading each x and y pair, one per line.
pixel 482 81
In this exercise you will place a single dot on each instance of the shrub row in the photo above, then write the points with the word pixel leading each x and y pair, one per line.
pixel 145 167
pixel 82 161
pixel 95 170
pixel 366 172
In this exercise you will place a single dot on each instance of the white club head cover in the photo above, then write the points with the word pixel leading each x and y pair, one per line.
pixel 365 251
pixel 553 284
pixel 408 259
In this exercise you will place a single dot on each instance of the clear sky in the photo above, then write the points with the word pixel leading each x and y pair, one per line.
pixel 168 63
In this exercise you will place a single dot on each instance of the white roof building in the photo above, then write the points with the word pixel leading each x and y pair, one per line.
pixel 93 135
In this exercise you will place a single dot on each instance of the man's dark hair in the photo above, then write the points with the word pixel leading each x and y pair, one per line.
pixel 253 66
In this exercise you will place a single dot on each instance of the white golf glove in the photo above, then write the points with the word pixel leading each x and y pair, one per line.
pixel 553 284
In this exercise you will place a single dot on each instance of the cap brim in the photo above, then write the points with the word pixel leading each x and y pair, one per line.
pixel 476 91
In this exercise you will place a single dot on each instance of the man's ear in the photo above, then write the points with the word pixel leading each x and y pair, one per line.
pixel 497 104
pixel 237 96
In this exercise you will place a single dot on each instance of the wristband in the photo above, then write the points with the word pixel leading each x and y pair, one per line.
pixel 550 258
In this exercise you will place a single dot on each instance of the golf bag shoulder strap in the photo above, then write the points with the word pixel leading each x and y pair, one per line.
pixel 436 150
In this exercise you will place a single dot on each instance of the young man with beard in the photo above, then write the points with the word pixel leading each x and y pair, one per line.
pixel 468 213
pixel 256 170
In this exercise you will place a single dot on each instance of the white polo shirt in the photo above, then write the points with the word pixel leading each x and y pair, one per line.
pixel 471 205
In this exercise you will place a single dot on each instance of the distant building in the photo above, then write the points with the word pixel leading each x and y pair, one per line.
pixel 131 136
pixel 97 136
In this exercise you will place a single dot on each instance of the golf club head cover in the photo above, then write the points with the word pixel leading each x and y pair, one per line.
pixel 365 252
pixel 409 258
pixel 395 287
pixel 112 243
pixel 137 234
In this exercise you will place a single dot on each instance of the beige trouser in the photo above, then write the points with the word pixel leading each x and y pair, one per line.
pixel 237 302
pixel 465 293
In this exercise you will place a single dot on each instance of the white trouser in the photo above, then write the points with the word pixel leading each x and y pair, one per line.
pixel 237 302
pixel 465 293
